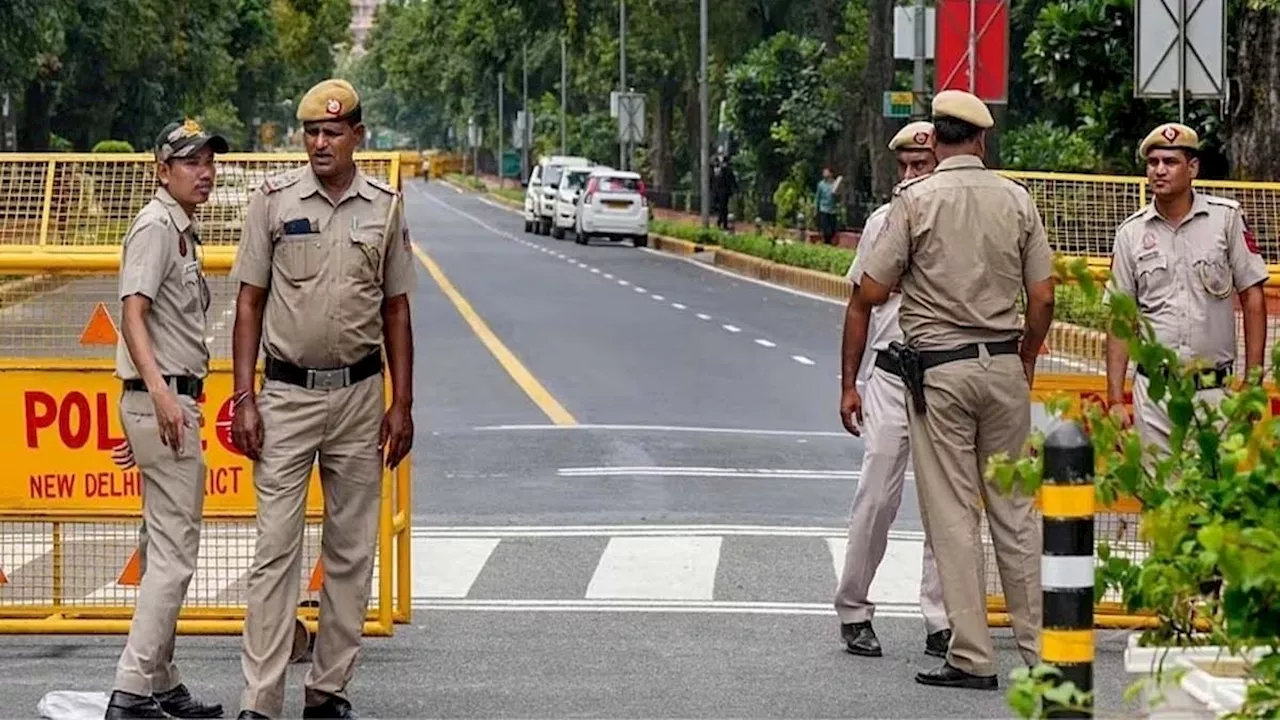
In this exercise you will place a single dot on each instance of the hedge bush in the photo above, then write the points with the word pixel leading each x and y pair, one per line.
pixel 822 258
pixel 113 146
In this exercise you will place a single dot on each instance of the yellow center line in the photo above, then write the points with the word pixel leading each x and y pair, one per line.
pixel 516 369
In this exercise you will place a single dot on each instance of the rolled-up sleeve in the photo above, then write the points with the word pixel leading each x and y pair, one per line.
pixel 148 253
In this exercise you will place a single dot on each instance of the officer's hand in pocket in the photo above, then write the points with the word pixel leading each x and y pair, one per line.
pixel 851 407
pixel 246 429
pixel 396 436
pixel 122 456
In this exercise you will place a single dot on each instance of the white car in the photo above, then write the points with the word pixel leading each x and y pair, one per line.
pixel 542 199
pixel 572 183
pixel 533 190
pixel 613 206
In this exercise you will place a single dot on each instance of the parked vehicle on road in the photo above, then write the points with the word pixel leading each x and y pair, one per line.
pixel 573 182
pixel 613 206
pixel 540 191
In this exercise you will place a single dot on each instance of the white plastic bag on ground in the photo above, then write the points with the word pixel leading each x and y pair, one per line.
pixel 73 705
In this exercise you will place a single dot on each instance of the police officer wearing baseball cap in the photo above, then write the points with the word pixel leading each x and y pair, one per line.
pixel 162 360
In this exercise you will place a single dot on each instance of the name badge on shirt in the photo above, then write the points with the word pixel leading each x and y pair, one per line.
pixel 299 226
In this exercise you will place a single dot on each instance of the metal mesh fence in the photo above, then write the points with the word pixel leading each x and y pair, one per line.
pixel 88 200
pixel 72 566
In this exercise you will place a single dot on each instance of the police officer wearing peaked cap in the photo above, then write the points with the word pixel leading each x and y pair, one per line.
pixel 162 359
pixel 325 269
pixel 964 242
pixel 873 377
pixel 1184 257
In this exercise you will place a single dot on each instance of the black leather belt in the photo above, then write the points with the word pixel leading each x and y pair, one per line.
pixel 934 358
pixel 182 384
pixel 885 363
pixel 325 379
pixel 1202 379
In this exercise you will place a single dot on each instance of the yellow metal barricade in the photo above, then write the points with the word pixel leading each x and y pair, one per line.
pixel 69 518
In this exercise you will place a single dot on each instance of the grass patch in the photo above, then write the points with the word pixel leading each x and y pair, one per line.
pixel 1071 306
pixel 512 194
pixel 823 258
pixel 467 181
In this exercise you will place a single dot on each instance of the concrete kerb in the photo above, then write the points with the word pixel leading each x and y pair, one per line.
pixel 1065 339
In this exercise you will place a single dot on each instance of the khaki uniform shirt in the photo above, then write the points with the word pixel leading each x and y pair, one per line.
pixel 1184 278
pixel 964 241
pixel 160 261
pixel 328 266
pixel 882 328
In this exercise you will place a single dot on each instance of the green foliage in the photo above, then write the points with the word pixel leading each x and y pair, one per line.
pixel 1210 506
pixel 1042 683
pixel 823 258
pixel 112 146
pixel 1047 147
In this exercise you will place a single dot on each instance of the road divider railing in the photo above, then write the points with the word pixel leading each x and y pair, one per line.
pixel 70 518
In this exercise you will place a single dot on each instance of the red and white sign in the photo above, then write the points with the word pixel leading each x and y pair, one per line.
pixel 986 23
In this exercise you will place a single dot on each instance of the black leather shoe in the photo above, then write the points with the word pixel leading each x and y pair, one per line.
pixel 179 703
pixel 949 676
pixel 860 639
pixel 937 643
pixel 124 705
pixel 251 715
pixel 333 707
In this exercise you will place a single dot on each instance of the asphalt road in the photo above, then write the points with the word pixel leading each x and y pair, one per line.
pixel 630 487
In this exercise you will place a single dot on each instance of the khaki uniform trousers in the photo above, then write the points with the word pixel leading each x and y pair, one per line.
pixel 168 542
pixel 1152 419
pixel 875 506
pixel 341 428
pixel 974 409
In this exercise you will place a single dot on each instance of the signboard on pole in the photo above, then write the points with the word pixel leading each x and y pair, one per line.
pixel 897 104
pixel 1179 45
pixel 630 113
pixel 972 48
pixel 904 32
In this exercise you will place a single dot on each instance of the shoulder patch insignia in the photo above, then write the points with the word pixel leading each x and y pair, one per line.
pixel 281 181
pixel 381 185
pixel 1249 240
pixel 908 183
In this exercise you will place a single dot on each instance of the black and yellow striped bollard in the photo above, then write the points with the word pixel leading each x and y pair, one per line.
pixel 1066 563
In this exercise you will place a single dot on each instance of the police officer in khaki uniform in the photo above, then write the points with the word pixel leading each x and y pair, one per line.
pixel 162 359
pixel 1183 257
pixel 884 466
pixel 964 242
pixel 325 269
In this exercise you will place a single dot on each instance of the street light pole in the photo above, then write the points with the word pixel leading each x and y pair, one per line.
pixel 564 91
pixel 705 171
pixel 622 74
pixel 524 129
pixel 501 80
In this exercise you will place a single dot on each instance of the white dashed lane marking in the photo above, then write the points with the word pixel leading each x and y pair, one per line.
pixel 732 328
pixel 802 359
pixel 703 316
pixel 765 343
pixel 678 306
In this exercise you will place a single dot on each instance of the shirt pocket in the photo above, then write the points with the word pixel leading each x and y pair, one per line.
pixel 1212 270
pixel 1152 273
pixel 364 253
pixel 299 257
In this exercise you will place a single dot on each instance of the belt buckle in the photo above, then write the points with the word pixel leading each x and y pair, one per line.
pixel 328 379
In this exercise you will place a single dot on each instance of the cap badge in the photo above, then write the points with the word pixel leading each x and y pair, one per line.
pixel 921 138
pixel 1170 133
pixel 191 127
pixel 333 107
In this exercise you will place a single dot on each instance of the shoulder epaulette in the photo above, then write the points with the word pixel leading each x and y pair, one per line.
pixel 1217 200
pixel 281 181
pixel 1131 218
pixel 381 185
pixel 1018 182
pixel 908 183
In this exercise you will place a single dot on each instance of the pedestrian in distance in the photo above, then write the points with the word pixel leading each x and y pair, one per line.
pixel 882 421
pixel 162 361
pixel 826 205
pixel 325 267
pixel 965 242
pixel 1184 257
